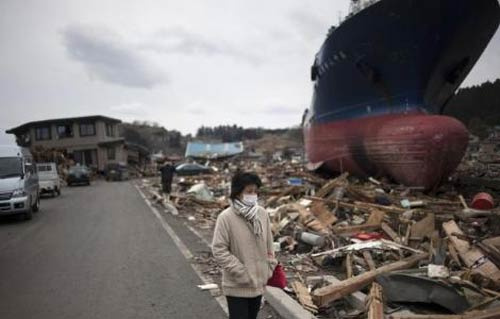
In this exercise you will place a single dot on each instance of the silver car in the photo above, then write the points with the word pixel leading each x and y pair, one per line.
pixel 19 189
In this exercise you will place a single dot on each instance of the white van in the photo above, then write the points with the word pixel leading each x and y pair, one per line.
pixel 48 179
pixel 19 190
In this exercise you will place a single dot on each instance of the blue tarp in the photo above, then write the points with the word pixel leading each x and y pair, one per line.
pixel 206 150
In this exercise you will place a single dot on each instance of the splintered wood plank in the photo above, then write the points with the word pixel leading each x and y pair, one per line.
pixel 324 296
pixel 376 217
pixel 310 221
pixel 348 265
pixel 373 222
pixel 462 201
pixel 470 255
pixel 321 212
pixel 369 260
pixel 273 199
pixel 388 209
pixel 406 238
pixel 329 186
pixel 356 299
pixel 424 227
pixel 375 303
pixel 453 253
pixel 391 233
pixel 342 230
pixel 304 297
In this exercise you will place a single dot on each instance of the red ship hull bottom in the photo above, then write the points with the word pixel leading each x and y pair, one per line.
pixel 412 149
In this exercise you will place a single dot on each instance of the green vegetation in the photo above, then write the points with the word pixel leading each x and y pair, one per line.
pixel 478 107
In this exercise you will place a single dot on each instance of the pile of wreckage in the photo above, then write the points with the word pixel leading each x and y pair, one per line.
pixel 482 158
pixel 367 249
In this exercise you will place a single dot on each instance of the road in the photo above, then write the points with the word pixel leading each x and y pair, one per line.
pixel 96 252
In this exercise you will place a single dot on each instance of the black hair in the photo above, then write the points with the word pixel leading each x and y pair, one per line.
pixel 241 180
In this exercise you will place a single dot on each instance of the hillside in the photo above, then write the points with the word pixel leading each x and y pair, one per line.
pixel 478 107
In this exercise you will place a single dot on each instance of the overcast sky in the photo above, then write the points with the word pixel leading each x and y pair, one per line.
pixel 180 63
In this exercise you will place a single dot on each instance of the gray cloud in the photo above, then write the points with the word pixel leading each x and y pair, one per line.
pixel 107 57
pixel 179 40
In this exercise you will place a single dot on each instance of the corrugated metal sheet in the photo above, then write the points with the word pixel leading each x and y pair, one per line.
pixel 206 150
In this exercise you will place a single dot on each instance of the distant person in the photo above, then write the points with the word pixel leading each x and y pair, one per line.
pixel 167 175
pixel 243 246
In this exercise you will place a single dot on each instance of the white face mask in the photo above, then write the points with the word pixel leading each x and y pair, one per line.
pixel 250 198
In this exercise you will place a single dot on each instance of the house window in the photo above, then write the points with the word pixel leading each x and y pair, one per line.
pixel 111 153
pixel 42 133
pixel 110 130
pixel 64 130
pixel 87 129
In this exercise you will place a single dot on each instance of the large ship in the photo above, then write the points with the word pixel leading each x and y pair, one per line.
pixel 382 79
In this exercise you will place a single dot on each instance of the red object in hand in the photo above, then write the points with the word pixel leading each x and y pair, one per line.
pixel 278 279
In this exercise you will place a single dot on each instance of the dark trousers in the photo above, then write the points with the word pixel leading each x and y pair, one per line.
pixel 243 308
pixel 166 186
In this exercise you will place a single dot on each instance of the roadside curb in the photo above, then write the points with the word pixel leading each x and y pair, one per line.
pixel 285 305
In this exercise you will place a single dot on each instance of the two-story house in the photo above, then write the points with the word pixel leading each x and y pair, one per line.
pixel 92 140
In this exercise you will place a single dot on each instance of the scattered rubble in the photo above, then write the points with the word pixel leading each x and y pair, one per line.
pixel 363 248
pixel 480 168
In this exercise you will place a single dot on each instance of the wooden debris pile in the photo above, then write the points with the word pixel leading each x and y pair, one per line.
pixel 338 238
pixel 372 229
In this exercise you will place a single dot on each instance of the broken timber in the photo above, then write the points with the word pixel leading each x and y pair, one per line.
pixel 373 222
pixel 304 296
pixel 362 206
pixel 322 213
pixel 471 256
pixel 348 265
pixel 310 221
pixel 324 296
pixel 329 186
pixel 391 233
pixel 375 302
pixel 369 260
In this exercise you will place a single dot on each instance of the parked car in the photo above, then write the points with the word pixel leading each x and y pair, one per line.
pixel 48 179
pixel 78 174
pixel 192 169
pixel 19 189
pixel 117 172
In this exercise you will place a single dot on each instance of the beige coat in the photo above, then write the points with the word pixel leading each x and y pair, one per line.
pixel 247 261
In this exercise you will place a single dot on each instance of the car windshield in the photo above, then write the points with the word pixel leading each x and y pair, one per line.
pixel 78 169
pixel 10 167
pixel 44 169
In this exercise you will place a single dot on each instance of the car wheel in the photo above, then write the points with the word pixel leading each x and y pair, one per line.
pixel 36 206
pixel 28 215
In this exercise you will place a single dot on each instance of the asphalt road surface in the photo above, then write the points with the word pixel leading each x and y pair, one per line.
pixel 96 252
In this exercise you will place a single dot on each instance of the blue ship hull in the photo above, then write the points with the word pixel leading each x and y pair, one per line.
pixel 381 80
pixel 399 56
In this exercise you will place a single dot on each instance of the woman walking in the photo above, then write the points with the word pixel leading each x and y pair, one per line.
pixel 243 247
